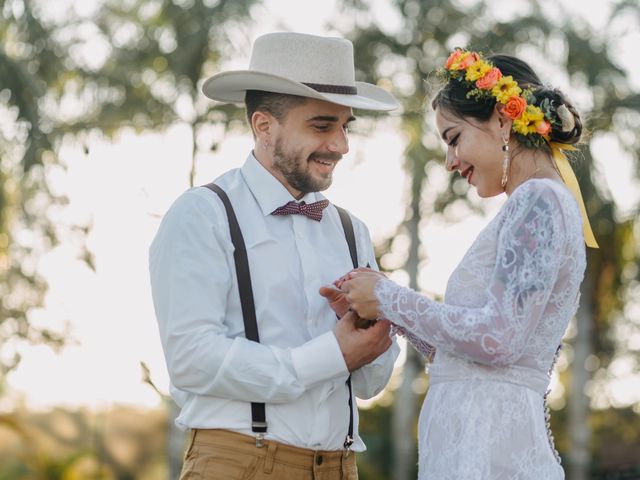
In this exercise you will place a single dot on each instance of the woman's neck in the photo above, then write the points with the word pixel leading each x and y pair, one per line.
pixel 528 164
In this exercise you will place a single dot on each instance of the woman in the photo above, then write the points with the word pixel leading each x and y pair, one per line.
pixel 509 301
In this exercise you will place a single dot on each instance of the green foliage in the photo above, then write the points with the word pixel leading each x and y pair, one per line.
pixel 154 54
pixel 158 52
pixel 31 66
pixel 376 463
pixel 122 443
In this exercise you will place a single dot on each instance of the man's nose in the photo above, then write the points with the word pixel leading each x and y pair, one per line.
pixel 339 142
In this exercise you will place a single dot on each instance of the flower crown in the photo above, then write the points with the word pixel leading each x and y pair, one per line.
pixel 531 124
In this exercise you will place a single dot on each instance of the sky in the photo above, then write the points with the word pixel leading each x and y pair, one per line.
pixel 122 189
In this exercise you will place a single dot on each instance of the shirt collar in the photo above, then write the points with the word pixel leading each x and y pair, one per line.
pixel 267 189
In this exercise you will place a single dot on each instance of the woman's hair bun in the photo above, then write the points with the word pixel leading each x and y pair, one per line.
pixel 568 127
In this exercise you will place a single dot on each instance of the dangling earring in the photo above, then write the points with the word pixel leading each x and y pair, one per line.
pixel 505 162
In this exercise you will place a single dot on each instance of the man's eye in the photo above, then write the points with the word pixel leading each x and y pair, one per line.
pixel 322 128
pixel 454 141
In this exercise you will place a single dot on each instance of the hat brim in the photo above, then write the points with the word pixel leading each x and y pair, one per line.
pixel 230 87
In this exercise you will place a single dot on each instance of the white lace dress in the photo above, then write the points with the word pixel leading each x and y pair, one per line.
pixel 506 309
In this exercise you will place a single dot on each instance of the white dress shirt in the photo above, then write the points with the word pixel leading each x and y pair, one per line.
pixel 297 369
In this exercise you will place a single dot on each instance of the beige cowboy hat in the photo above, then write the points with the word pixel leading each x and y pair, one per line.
pixel 304 65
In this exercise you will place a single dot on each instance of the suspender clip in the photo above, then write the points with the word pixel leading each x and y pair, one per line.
pixel 347 443
pixel 259 429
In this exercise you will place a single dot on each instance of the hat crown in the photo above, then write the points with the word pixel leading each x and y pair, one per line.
pixel 305 58
pixel 304 65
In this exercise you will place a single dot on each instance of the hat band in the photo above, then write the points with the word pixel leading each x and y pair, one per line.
pixel 325 88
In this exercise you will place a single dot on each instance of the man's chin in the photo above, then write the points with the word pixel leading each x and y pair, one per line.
pixel 321 186
pixel 311 181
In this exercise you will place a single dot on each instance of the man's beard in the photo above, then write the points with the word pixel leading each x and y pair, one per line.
pixel 295 169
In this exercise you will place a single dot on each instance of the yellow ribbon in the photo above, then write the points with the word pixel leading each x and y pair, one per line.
pixel 570 180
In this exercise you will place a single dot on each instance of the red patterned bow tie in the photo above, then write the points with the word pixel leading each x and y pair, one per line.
pixel 311 210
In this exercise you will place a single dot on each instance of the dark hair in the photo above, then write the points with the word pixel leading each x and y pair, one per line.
pixel 453 97
pixel 276 104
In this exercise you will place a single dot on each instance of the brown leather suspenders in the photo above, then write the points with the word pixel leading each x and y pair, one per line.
pixel 347 226
pixel 258 418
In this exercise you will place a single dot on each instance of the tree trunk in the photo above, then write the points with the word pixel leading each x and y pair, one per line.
pixel 578 402
pixel 405 405
pixel 403 418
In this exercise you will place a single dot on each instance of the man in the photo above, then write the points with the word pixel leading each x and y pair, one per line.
pixel 280 408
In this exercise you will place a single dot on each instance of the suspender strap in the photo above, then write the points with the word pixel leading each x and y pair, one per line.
pixel 347 226
pixel 258 418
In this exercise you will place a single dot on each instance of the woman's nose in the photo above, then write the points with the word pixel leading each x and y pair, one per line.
pixel 452 162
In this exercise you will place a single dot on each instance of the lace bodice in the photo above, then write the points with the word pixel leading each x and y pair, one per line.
pixel 510 299
pixel 507 304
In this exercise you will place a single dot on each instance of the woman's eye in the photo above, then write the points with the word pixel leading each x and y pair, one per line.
pixel 454 141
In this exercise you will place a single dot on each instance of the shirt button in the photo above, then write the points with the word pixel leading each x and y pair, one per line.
pixel 319 460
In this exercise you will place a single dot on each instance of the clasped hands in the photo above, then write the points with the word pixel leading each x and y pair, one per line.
pixel 361 335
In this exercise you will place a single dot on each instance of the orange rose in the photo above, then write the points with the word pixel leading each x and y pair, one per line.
pixel 514 107
pixel 453 58
pixel 543 127
pixel 490 79
pixel 469 60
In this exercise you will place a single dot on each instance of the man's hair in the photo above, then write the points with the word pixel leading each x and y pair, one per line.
pixel 276 104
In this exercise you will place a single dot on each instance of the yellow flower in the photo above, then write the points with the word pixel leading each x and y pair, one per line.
pixel 506 88
pixel 477 70
pixel 529 120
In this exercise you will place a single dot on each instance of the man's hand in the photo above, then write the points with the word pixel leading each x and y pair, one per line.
pixel 361 346
pixel 337 300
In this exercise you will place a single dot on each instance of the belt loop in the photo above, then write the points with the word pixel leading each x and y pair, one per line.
pixel 192 440
pixel 344 463
pixel 270 458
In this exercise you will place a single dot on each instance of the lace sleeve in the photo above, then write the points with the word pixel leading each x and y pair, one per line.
pixel 423 347
pixel 528 260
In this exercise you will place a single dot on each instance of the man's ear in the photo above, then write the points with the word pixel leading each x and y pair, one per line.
pixel 262 125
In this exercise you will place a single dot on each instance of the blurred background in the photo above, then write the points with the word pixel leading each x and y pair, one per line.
pixel 102 126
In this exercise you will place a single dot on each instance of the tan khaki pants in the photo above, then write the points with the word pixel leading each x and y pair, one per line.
pixel 225 455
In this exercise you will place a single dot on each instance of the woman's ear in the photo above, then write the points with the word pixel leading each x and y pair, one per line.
pixel 504 123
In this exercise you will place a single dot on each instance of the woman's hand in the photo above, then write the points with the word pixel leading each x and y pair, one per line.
pixel 340 305
pixel 359 288
pixel 337 298
pixel 338 283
